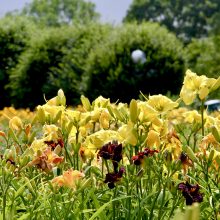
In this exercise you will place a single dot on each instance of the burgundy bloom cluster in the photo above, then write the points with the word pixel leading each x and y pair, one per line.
pixel 53 144
pixel 112 178
pixel 112 151
pixel 138 159
pixel 190 192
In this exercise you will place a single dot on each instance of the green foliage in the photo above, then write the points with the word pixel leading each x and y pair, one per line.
pixel 110 71
pixel 67 75
pixel 188 19
pixel 55 59
pixel 14 36
pixel 59 12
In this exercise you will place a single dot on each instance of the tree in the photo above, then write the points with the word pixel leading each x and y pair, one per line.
pixel 111 72
pixel 15 33
pixel 59 12
pixel 55 59
pixel 188 19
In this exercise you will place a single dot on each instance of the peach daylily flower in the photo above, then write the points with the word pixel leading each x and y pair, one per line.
pixel 68 179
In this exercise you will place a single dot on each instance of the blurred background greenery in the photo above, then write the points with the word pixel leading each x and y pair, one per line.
pixel 52 44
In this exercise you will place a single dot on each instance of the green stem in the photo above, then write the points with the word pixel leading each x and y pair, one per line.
pixel 210 191
pixel 67 153
pixel 4 205
pixel 106 164
pixel 113 204
pixel 162 202
pixel 202 115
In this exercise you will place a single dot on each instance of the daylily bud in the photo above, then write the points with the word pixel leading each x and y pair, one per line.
pixel 24 161
pixel 86 103
pixel 69 127
pixel 61 97
pixel 41 114
pixel 215 133
pixel 27 129
pixel 191 154
pixel 133 110
pixel 211 155
pixel 58 116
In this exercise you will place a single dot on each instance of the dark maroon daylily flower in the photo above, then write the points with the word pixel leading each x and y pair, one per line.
pixel 112 178
pixel 190 192
pixel 53 144
pixel 185 161
pixel 138 159
pixel 111 151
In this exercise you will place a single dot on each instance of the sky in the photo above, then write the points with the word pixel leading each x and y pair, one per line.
pixel 112 11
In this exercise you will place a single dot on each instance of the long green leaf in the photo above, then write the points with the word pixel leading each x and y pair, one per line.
pixel 96 214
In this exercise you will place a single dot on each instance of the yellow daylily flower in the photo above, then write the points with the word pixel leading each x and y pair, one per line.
pixel 99 138
pixel 101 102
pixel 15 123
pixel 128 134
pixel 51 132
pixel 153 139
pixel 161 103
pixel 147 112
pixel 104 119
pixel 192 117
pixel 38 145
pixel 194 85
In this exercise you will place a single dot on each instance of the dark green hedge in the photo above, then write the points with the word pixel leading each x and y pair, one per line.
pixel 112 73
pixel 95 60
pixel 55 59
pixel 15 33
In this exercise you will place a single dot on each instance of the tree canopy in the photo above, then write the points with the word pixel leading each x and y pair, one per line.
pixel 188 19
pixel 59 12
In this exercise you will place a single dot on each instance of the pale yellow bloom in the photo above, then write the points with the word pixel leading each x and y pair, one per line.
pixel 161 103
pixel 176 116
pixel 192 117
pixel 101 102
pixel 99 138
pixel 212 121
pixel 38 145
pixel 95 114
pixel 51 132
pixel 15 123
pixel 104 119
pixel 147 113
pixel 128 134
pixel 49 112
pixel 153 139
pixel 194 85
pixel 86 154
pixel 60 99
pixel 73 115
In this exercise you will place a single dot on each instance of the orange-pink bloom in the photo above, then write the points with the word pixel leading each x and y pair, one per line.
pixel 69 178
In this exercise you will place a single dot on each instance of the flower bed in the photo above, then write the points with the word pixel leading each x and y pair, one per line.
pixel 151 159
